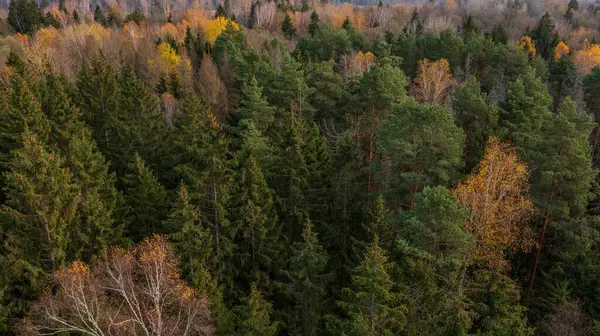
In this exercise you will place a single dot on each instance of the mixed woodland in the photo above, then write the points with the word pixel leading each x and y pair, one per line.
pixel 281 167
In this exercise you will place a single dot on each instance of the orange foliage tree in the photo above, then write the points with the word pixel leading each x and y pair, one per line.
pixel 433 82
pixel 134 291
pixel 587 58
pixel 497 193
pixel 560 50
pixel 527 44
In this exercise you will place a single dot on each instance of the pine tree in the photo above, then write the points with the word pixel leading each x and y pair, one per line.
pixel 258 238
pixel 545 37
pixel 562 78
pixel 313 26
pixel 319 174
pixel 41 204
pixel 572 7
pixel 220 11
pixel 425 148
pixel 591 85
pixel 287 27
pixel 21 111
pixel 372 304
pixel 306 283
pixel 288 88
pixel 146 202
pixel 75 16
pixel 347 25
pixel 562 175
pixel 478 119
pixel 254 317
pixel 304 6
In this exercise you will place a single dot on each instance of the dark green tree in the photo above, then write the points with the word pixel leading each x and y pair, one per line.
pixel 469 25
pixel 287 27
pixel 572 7
pixel 254 108
pixel 591 85
pixel 499 34
pixel 252 19
pixel 562 80
pixel 313 26
pixel 136 16
pixel 75 16
pixel 99 16
pixel 372 304
pixel 254 316
pixel 545 37
pixel 146 202
pixel 425 148
pixel 478 119
pixel 25 16
pixel 306 284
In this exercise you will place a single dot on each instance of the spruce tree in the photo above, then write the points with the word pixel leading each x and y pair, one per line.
pixel 21 111
pixel 469 26
pixel 252 19
pixel 306 284
pixel 146 202
pixel 572 7
pixel 499 34
pixel 258 239
pixel 287 27
pixel 99 16
pixel 254 316
pixel 41 204
pixel 313 26
pixel 254 108
pixel 545 37
pixel 372 303
pixel 25 16
pixel 478 119
pixel 562 80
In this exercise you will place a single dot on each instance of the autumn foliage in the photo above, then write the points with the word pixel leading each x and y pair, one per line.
pixel 134 291
pixel 434 81
pixel 587 58
pixel 527 45
pixel 496 192
pixel 560 50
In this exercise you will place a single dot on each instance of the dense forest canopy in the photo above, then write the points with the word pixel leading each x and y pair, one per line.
pixel 281 167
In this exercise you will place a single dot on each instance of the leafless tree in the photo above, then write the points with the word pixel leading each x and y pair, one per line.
pixel 266 14
pixel 133 291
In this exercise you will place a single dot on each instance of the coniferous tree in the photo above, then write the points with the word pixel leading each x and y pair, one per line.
pixel 306 281
pixel 572 7
pixel 254 108
pixel 75 16
pixel 287 27
pixel 146 202
pixel 432 147
pixel 252 19
pixel 562 80
pixel 545 37
pixel 99 16
pixel 469 26
pixel 258 238
pixel 25 16
pixel 499 34
pixel 21 112
pixel 372 303
pixel 478 119
pixel 313 26
pixel 254 316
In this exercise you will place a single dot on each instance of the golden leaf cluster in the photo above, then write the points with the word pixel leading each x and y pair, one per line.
pixel 560 50
pixel 587 58
pixel 214 28
pixel 497 193
pixel 527 44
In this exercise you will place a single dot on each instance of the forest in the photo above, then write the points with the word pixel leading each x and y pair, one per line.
pixel 299 167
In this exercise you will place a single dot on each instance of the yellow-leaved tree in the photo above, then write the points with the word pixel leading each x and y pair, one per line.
pixel 587 58
pixel 214 28
pixel 166 59
pixel 560 50
pixel 497 193
pixel 527 44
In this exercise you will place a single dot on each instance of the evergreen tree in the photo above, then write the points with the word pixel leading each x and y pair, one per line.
pixel 25 16
pixel 591 85
pixel 304 6
pixel 329 93
pixel 254 108
pixel 425 149
pixel 306 282
pixel 287 27
pixel 252 19
pixel 562 80
pixel 75 16
pixel 136 16
pixel 572 7
pixel 146 202
pixel 415 24
pixel 99 16
pixel 41 203
pixel 469 26
pixel 254 317
pixel 98 99
pixel 372 303
pixel 21 111
pixel 288 89
pixel 313 26
pixel 478 119
pixel 258 238
pixel 347 25
pixel 499 34
pixel 545 37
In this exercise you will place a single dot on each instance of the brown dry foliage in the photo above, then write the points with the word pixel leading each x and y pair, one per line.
pixel 433 82
pixel 135 291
